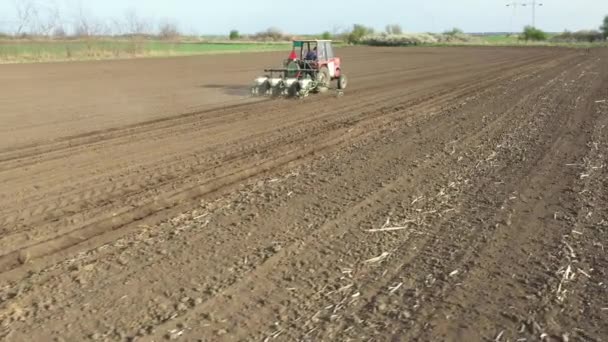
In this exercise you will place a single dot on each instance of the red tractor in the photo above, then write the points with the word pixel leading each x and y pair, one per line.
pixel 311 67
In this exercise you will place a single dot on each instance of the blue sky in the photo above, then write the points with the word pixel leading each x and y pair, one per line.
pixel 219 16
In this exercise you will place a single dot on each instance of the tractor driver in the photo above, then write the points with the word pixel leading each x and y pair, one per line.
pixel 312 54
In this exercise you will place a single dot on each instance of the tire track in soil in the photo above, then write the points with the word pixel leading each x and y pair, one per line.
pixel 449 300
pixel 344 250
pixel 95 136
pixel 242 148
pixel 263 278
pixel 227 114
pixel 12 260
pixel 384 321
pixel 381 130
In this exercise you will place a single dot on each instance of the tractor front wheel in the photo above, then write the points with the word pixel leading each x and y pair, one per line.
pixel 323 78
pixel 342 82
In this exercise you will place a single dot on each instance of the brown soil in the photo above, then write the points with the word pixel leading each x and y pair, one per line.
pixel 151 199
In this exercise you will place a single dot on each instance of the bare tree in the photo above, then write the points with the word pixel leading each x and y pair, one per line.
pixel 59 32
pixel 118 26
pixel 134 24
pixel 272 33
pixel 168 30
pixel 86 25
pixel 26 13
pixel 192 32
pixel 81 22
pixel 48 20
pixel 394 29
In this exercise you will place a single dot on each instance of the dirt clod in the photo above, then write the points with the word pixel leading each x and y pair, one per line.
pixel 449 194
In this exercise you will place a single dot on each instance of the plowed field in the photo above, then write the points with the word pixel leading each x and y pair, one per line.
pixel 456 194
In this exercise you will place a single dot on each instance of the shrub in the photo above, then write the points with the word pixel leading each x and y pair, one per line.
pixel 455 35
pixel 358 32
pixel 326 35
pixel 532 33
pixel 585 36
pixel 588 36
pixel 566 36
pixel 454 32
pixel 394 29
pixel 398 40
pixel 168 31
pixel 234 35
pixel 406 39
pixel 59 32
pixel 272 33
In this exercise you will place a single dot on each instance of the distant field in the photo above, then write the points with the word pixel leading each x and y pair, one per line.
pixel 40 51
pixel 26 51
pixel 501 39
pixel 513 40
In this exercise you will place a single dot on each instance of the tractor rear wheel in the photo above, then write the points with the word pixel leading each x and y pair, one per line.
pixel 342 82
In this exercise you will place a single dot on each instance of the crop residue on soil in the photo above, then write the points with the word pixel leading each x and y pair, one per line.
pixel 451 194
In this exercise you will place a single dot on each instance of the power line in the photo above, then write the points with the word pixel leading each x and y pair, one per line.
pixel 534 4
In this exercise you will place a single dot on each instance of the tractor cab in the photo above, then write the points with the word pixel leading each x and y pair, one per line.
pixel 322 49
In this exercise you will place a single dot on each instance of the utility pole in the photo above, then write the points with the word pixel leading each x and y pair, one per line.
pixel 534 12
pixel 514 6
pixel 533 4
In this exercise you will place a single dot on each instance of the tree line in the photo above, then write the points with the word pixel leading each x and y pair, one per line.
pixel 33 19
pixel 587 36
